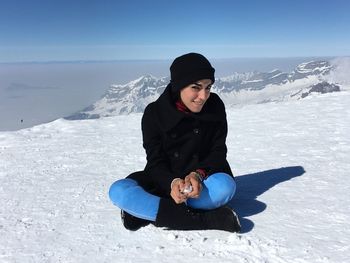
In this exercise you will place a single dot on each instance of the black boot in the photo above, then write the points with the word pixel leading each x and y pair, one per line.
pixel 181 217
pixel 131 222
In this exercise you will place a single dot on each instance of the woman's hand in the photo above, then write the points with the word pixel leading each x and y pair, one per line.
pixel 177 188
pixel 179 185
pixel 193 180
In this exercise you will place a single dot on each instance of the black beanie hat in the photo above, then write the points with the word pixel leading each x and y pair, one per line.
pixel 188 69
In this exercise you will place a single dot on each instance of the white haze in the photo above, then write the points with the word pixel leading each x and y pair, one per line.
pixel 341 74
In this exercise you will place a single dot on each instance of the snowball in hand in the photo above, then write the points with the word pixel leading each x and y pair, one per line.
pixel 188 189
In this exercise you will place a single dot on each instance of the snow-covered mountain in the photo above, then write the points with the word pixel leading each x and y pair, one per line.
pixel 237 89
pixel 124 99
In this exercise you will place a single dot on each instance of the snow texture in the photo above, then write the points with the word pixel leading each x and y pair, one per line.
pixel 291 160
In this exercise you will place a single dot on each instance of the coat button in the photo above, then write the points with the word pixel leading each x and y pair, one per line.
pixel 173 135
pixel 195 156
pixel 196 131
pixel 176 154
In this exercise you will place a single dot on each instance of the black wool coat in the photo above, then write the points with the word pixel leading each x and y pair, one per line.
pixel 178 143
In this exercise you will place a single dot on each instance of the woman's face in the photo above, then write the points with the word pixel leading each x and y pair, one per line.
pixel 195 95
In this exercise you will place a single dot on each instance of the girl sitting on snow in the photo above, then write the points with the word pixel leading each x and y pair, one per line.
pixel 187 181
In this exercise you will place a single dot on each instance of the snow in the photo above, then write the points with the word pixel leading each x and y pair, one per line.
pixel 275 76
pixel 291 160
pixel 237 76
pixel 252 81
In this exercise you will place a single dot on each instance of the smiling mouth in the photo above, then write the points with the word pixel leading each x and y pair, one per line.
pixel 198 103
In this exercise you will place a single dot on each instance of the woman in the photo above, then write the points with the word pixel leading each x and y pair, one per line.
pixel 187 180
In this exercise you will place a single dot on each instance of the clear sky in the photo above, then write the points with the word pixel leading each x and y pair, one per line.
pixel 55 30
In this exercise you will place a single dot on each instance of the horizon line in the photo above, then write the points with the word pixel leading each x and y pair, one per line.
pixel 149 60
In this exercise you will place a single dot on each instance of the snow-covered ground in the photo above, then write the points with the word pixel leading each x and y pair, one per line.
pixel 291 160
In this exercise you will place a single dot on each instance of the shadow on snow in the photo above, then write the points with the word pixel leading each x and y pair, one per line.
pixel 250 186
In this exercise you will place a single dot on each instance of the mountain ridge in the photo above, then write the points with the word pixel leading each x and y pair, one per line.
pixel 235 89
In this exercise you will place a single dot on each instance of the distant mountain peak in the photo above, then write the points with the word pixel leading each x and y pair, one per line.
pixel 142 79
pixel 318 67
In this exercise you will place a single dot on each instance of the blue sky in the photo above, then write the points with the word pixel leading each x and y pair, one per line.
pixel 60 30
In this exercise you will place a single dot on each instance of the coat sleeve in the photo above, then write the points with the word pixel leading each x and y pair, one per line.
pixel 157 164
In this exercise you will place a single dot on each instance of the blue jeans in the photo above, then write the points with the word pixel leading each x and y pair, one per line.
pixel 218 190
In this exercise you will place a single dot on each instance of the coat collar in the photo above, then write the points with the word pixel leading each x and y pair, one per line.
pixel 169 116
